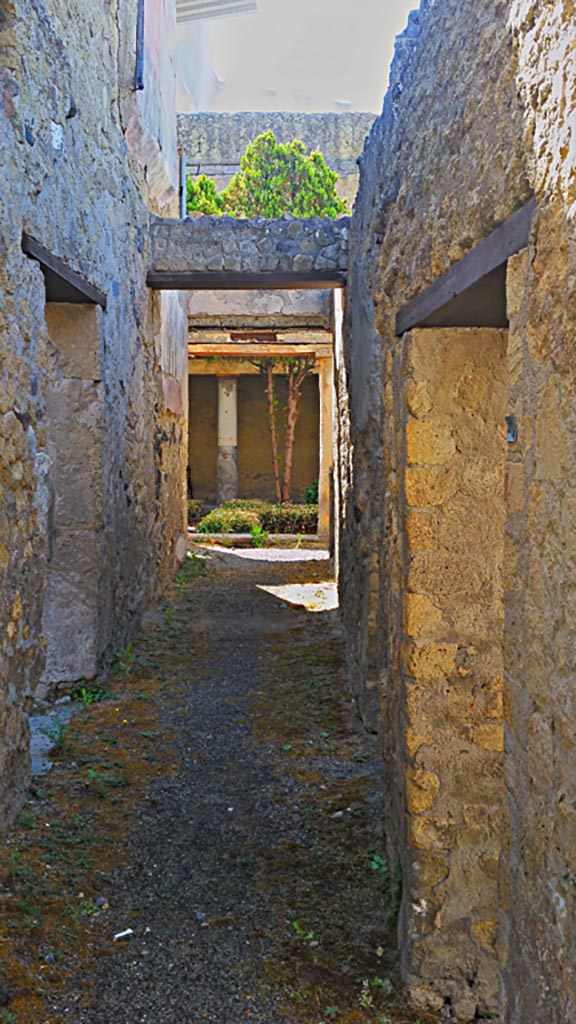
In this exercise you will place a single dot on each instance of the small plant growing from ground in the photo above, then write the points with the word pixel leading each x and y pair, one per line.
pixel 88 695
pixel 102 782
pixel 259 536
pixel 59 735
pixel 392 883
pixel 310 496
pixel 195 506
pixel 366 999
pixel 123 663
pixel 303 934
pixel 28 818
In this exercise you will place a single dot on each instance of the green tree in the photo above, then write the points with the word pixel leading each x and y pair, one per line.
pixel 274 178
pixel 202 196
pixel 297 369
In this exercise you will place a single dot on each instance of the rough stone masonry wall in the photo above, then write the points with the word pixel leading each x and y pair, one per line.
pixel 290 245
pixel 67 181
pixel 477 118
pixel 539 923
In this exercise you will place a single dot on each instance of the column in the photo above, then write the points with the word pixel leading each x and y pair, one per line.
pixel 326 386
pixel 227 466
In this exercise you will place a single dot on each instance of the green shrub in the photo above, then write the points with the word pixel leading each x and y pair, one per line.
pixel 310 496
pixel 290 518
pixel 259 518
pixel 228 520
pixel 245 504
pixel 194 510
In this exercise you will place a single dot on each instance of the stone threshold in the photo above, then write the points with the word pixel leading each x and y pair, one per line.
pixel 274 540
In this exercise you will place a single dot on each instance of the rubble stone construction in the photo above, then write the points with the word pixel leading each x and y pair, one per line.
pixel 455 386
pixel 291 252
pixel 458 551
pixel 93 363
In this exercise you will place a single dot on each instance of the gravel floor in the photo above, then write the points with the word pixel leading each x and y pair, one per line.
pixel 227 868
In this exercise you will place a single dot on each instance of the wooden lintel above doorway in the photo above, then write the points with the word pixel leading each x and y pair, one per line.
pixel 62 283
pixel 472 293
pixel 250 351
pixel 176 280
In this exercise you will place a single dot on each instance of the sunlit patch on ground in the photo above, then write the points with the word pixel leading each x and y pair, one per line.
pixel 274 554
pixel 314 597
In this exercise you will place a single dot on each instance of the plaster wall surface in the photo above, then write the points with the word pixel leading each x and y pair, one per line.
pixel 478 118
pixel 149 108
pixel 71 180
pixel 255 476
pixel 263 308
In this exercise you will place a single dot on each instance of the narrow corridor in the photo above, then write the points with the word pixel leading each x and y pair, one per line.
pixel 219 802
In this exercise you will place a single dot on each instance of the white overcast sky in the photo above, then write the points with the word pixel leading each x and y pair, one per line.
pixel 315 55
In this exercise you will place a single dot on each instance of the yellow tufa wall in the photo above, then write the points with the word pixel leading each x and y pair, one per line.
pixel 447 692
pixel 479 118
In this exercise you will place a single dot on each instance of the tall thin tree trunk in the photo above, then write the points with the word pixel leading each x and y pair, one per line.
pixel 271 393
pixel 296 378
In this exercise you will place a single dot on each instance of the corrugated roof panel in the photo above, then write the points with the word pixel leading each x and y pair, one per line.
pixel 194 10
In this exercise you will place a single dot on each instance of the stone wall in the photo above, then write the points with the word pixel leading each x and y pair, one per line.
pixel 477 119
pixel 539 933
pixel 214 144
pixel 225 245
pixel 444 697
pixel 82 490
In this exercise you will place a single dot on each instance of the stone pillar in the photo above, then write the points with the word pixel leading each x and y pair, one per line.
pixel 227 468
pixel 341 415
pixel 326 387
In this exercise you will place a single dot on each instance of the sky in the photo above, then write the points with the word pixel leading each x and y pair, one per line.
pixel 312 55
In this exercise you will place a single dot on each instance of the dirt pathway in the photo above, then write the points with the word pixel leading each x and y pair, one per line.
pixel 222 804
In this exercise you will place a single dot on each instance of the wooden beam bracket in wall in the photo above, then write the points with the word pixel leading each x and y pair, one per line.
pixel 62 283
pixel 472 293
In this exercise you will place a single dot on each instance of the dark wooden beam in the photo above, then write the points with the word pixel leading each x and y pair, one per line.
pixel 480 305
pixel 260 336
pixel 62 283
pixel 483 304
pixel 169 280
